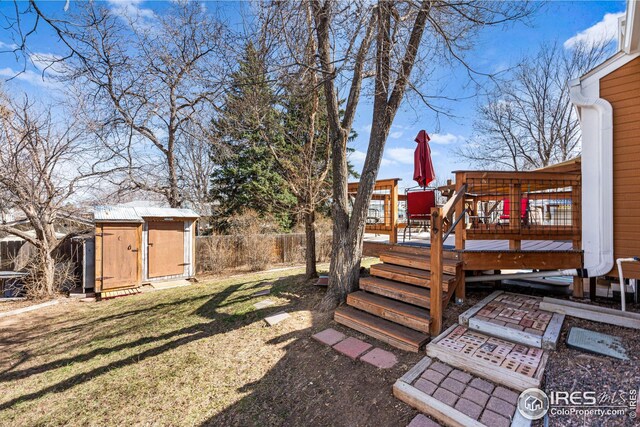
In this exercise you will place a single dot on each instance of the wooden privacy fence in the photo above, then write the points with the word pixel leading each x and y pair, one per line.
pixel 215 254
pixel 10 254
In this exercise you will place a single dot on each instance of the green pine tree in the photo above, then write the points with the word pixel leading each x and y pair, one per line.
pixel 247 177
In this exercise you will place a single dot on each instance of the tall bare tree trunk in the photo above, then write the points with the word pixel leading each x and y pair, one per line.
pixel 310 241
pixel 348 231
pixel 47 271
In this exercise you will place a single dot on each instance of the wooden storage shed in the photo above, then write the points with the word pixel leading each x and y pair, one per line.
pixel 136 245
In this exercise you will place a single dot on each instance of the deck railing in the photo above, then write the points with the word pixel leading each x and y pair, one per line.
pixel 547 207
pixel 518 206
pixel 382 217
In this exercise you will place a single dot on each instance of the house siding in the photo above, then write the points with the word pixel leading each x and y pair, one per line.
pixel 622 89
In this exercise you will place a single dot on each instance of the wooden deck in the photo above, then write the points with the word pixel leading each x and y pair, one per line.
pixel 479 245
pixel 476 230
pixel 495 254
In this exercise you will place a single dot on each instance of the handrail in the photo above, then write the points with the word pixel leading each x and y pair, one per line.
pixel 447 209
pixel 453 226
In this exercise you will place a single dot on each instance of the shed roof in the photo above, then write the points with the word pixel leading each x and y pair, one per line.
pixel 138 214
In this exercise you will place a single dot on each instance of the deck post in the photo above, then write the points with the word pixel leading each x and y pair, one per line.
pixel 515 196
pixel 458 208
pixel 393 236
pixel 576 225
pixel 460 293
pixel 436 272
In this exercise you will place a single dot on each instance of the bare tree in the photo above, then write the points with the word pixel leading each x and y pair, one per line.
pixel 148 79
pixel 195 164
pixel 346 35
pixel 303 149
pixel 44 164
pixel 528 121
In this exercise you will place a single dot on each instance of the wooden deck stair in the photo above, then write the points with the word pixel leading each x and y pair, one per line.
pixel 393 303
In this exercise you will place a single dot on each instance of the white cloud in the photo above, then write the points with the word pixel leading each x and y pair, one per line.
pixel 28 76
pixel 396 135
pixel 367 128
pixel 445 138
pixel 47 61
pixel 605 30
pixel 358 157
pixel 400 155
pixel 131 10
pixel 10 46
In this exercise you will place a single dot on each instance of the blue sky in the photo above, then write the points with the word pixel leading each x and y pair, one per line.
pixel 495 49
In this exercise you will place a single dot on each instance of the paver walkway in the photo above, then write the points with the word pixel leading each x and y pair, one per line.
pixel 474 379
pixel 356 349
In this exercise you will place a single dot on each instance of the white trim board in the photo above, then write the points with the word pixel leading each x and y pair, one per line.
pixel 592 312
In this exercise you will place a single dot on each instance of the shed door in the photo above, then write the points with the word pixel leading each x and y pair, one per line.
pixel 166 249
pixel 119 255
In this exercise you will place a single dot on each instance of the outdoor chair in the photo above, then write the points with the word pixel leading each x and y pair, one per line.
pixel 506 212
pixel 419 204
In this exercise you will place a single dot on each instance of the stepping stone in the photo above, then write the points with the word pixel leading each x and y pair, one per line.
pixel 422 421
pixel 352 347
pixel 276 318
pixel 595 342
pixel 264 304
pixel 262 293
pixel 380 358
pixel 329 337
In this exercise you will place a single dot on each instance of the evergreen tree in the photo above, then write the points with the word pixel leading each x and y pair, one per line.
pixel 247 177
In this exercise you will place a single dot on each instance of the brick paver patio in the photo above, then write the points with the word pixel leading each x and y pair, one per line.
pixel 518 312
pixel 482 400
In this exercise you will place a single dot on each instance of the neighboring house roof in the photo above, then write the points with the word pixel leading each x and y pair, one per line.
pixel 30 233
pixel 137 214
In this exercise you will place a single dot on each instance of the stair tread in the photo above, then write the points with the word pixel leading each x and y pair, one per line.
pixel 398 332
pixel 396 254
pixel 393 305
pixel 409 271
pixel 398 286
pixel 420 262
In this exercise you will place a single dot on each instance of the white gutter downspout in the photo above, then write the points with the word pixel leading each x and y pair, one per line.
pixel 597 193
pixel 597 184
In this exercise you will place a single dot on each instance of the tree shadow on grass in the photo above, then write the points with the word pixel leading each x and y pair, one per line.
pixel 313 385
pixel 218 323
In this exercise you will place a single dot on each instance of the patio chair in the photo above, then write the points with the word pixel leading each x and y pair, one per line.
pixel 419 204
pixel 506 212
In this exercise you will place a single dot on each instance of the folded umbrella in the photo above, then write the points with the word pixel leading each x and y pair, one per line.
pixel 423 172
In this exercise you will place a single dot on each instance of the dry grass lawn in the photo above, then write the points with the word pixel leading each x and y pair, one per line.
pixel 197 355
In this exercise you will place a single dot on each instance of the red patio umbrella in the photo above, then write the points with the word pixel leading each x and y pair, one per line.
pixel 423 172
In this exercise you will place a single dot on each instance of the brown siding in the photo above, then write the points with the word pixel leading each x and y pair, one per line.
pixel 622 89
